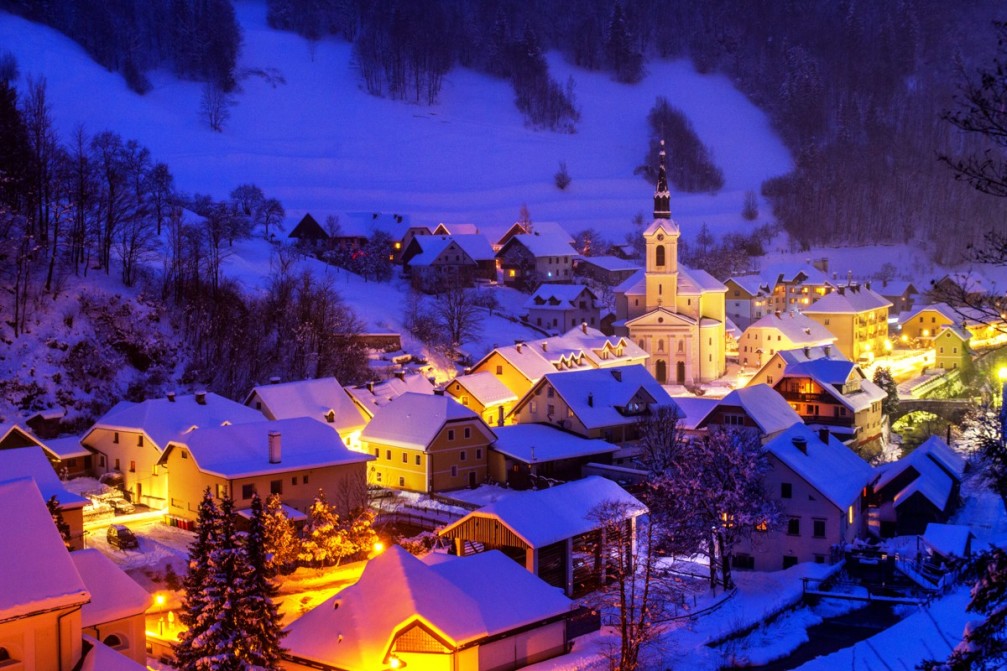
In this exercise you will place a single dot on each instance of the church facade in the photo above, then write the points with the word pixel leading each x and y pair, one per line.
pixel 675 314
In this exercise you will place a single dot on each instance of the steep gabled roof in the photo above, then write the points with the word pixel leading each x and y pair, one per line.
pixel 433 247
pixel 486 388
pixel 764 406
pixel 114 595
pixel 832 468
pixel 308 229
pixel 541 244
pixel 944 455
pixel 852 300
pixel 242 450
pixel 414 420
pixel 601 397
pixel 475 245
pixel 454 600
pixel 668 226
pixel 797 327
pixel 558 296
pixel 942 309
pixel 31 462
pixel 164 420
pixel 370 397
pixel 753 284
pixel 695 281
pixel 36 572
pixel 551 515
pixel 310 398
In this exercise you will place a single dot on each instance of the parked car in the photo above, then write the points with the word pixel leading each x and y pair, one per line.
pixel 121 537
pixel 121 506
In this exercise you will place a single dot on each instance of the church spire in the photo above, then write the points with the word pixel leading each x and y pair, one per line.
pixel 662 196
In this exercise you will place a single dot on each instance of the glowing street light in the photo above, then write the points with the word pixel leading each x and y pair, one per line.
pixel 379 547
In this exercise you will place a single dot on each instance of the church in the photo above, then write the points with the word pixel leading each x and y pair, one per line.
pixel 675 314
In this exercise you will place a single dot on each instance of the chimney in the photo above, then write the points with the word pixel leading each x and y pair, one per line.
pixel 518 346
pixel 777 313
pixel 275 379
pixel 801 443
pixel 438 392
pixel 171 397
pixel 590 400
pixel 583 327
pixel 841 289
pixel 201 397
pixel 823 435
pixel 867 284
pixel 370 386
pixel 849 276
pixel 545 346
pixel 468 370
pixel 807 351
pixel 401 374
pixel 274 447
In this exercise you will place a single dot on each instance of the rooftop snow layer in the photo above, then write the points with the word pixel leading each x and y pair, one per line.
pixel 310 398
pixel 164 420
pixel 36 572
pixel 371 397
pixel 114 595
pixel 851 301
pixel 832 468
pixel 31 462
pixel 486 388
pixel 242 450
pixel 798 328
pixel 601 397
pixel 414 420
pixel 765 406
pixel 541 443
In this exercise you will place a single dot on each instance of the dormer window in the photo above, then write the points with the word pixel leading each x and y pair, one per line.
pixel 330 416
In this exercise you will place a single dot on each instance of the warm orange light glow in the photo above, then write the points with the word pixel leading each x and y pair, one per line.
pixel 1002 373
pixel 394 662
pixel 159 599
pixel 379 547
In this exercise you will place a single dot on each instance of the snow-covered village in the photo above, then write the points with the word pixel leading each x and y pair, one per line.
pixel 612 335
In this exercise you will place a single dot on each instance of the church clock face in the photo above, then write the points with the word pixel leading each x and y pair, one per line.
pixel 660 237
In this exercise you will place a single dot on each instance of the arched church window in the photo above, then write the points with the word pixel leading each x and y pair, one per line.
pixel 660 344
pixel 659 260
pixel 681 345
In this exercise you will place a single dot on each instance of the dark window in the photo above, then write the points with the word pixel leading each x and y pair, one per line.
pixel 276 486
pixel 417 460
pixel 499 370
pixel 247 491
pixel 479 453
pixel 786 490
pixel 115 437
pixel 818 528
pixel 304 479
pixel 451 434
pixel 405 458
pixel 139 441
pixel 743 561
pixel 293 481
pixel 388 455
pixel 132 466
pixel 794 526
pixel 402 482
pixel 454 471
pixel 789 561
pixel 468 432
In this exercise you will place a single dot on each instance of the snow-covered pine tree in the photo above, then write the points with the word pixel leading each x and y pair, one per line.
pixel 219 643
pixel 195 614
pixel 257 617
pixel 280 539
pixel 323 538
pixel 359 532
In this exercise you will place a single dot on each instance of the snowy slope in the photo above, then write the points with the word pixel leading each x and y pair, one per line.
pixel 319 143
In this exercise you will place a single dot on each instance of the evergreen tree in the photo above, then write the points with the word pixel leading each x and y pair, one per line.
pixel 883 378
pixel 257 617
pixel 196 607
pixel 280 539
pixel 220 642
pixel 323 539
pixel 359 533
pixel 57 517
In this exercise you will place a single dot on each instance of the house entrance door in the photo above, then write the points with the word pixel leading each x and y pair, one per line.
pixel 661 371
pixel 680 372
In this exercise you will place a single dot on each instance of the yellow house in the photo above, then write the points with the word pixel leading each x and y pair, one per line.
pixel 294 458
pixel 485 394
pixel 951 348
pixel 780 331
pixel 796 286
pixel 471 613
pixel 41 592
pixel 858 317
pixel 131 437
pixel 427 443
pixel 926 321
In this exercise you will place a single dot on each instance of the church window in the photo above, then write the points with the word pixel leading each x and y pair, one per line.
pixel 643 345
pixel 660 344
pixel 681 346
pixel 660 288
pixel 659 257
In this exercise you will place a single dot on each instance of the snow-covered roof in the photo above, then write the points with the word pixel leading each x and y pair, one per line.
pixel 551 515
pixel 668 226
pixel 414 420
pixel 355 629
pixel 942 309
pixel 896 288
pixel 793 273
pixel 694 409
pixel 371 397
pixel 832 468
pixel 602 397
pixel 933 480
pixel 164 420
pixel 558 296
pixel 831 370
pixel 486 388
pixel 949 540
pixel 457 229
pixel 433 246
pixel 100 657
pixel 695 281
pixel 36 572
pixel 958 332
pixel 310 398
pixel 114 595
pixel 634 285
pixel 475 245
pixel 544 243
pixel 611 263
pixel 753 284
pixel 851 300
pixel 933 484
pixel 31 462
pixel 242 450
pixel 764 406
pixel 292 514
pixel 365 224
pixel 540 443
pixel 945 455
pixel 66 448
pixel 798 328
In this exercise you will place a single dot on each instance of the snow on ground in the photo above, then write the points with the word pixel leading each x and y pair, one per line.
pixel 319 143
